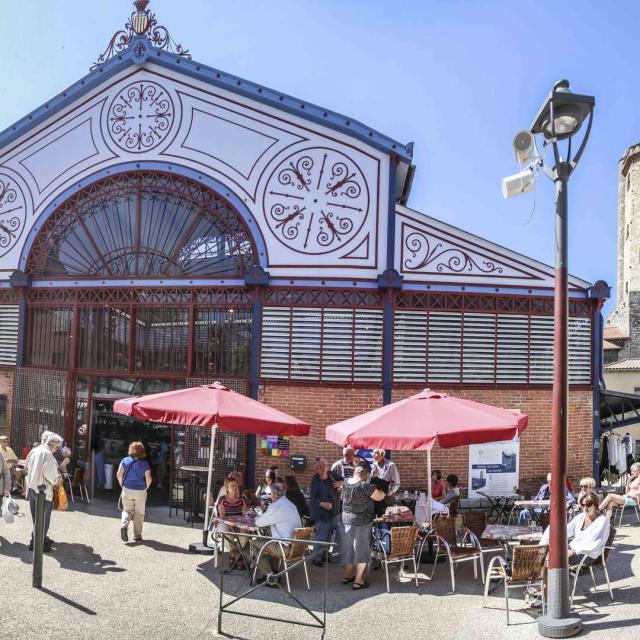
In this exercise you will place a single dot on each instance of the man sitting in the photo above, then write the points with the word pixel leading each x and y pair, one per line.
pixel 544 493
pixel 283 518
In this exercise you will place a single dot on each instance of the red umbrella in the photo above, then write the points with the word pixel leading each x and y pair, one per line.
pixel 215 406
pixel 418 422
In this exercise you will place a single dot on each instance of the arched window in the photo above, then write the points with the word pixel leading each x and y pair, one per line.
pixel 143 224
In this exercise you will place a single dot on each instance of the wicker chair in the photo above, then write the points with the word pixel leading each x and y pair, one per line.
pixel 293 554
pixel 401 549
pixel 527 569
pixel 447 545
pixel 475 522
pixel 600 562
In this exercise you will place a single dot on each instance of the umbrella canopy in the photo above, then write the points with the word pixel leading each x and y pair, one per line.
pixel 418 422
pixel 209 405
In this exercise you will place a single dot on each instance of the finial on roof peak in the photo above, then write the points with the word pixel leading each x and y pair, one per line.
pixel 142 23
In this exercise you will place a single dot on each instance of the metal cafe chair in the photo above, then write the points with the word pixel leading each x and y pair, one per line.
pixel 623 507
pixel 526 570
pixel 447 545
pixel 401 549
pixel 292 555
pixel 76 481
pixel 475 522
pixel 600 562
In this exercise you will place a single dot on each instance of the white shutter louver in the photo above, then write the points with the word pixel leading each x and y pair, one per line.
pixel 337 336
pixel 579 350
pixel 512 349
pixel 276 340
pixel 541 367
pixel 444 348
pixel 367 346
pixel 305 344
pixel 9 315
pixel 410 346
pixel 478 348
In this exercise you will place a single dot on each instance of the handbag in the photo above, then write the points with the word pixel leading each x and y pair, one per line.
pixel 60 502
pixel 120 504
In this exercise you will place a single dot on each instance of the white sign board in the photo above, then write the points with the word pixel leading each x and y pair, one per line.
pixel 494 468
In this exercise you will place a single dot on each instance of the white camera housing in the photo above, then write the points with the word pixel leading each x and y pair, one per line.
pixel 519 183
pixel 524 146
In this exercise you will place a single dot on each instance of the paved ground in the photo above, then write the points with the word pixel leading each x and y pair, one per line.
pixel 98 587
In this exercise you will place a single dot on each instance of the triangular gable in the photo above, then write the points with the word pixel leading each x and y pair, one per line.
pixel 429 250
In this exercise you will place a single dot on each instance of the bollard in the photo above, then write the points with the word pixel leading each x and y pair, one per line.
pixel 38 538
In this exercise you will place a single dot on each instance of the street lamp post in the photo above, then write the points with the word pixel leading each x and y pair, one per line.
pixel 560 117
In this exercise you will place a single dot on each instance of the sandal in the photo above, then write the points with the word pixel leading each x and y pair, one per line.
pixel 357 586
pixel 347 580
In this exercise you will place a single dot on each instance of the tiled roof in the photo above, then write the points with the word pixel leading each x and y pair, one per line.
pixel 613 333
pixel 631 364
pixel 608 346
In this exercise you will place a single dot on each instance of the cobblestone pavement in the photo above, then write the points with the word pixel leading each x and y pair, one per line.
pixel 96 586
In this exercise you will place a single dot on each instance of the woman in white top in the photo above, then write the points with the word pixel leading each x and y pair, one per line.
pixel 264 489
pixel 588 532
pixel 632 493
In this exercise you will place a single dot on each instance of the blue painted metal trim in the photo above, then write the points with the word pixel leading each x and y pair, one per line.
pixel 254 379
pixel 22 331
pixel 391 213
pixel 387 348
pixel 597 377
pixel 152 165
pixel 212 76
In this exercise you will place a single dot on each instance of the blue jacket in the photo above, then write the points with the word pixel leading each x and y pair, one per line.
pixel 323 491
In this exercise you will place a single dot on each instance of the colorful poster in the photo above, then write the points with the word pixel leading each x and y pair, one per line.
pixel 494 468
pixel 275 446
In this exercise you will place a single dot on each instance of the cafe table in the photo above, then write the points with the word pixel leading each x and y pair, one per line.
pixel 506 533
pixel 528 504
pixel 245 523
pixel 196 475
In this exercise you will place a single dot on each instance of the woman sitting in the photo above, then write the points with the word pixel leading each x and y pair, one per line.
pixel 438 488
pixel 264 489
pixel 231 504
pixel 358 497
pixel 632 491
pixel 588 532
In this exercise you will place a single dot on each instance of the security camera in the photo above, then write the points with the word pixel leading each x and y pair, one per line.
pixel 518 183
pixel 524 146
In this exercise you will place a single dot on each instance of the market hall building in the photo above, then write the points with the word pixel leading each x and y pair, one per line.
pixel 165 224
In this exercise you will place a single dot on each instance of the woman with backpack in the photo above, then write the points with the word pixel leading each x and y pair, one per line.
pixel 134 476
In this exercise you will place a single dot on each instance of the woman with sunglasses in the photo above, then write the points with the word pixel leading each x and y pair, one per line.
pixel 588 532
pixel 632 493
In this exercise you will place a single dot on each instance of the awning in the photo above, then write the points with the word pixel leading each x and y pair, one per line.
pixel 618 409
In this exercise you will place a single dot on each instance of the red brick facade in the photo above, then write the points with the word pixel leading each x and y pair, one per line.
pixel 6 389
pixel 322 405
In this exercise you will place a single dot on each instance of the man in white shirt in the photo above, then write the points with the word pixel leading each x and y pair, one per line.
pixel 386 470
pixel 283 518
pixel 42 468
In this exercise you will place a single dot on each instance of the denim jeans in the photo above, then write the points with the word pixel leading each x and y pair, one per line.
pixel 324 530
pixel 48 506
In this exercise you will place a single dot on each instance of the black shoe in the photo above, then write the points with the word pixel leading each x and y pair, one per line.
pixel 47 548
pixel 48 541
pixel 137 538
pixel 31 545
pixel 124 534
pixel 317 563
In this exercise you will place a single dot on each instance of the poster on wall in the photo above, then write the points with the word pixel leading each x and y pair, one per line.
pixel 494 468
pixel 275 446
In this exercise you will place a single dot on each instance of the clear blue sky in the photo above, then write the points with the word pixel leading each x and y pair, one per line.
pixel 457 77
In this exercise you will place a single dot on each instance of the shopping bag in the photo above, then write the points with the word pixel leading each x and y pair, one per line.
pixel 421 509
pixel 6 512
pixel 60 501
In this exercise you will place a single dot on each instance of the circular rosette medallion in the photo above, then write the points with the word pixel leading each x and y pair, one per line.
pixel 316 200
pixel 12 213
pixel 140 116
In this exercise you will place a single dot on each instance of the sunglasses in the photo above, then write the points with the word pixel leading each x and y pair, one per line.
pixel 585 486
pixel 587 505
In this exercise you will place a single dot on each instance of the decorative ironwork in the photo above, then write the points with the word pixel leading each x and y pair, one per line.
pixel 444 259
pixel 12 213
pixel 141 23
pixel 316 200
pixel 293 297
pixel 143 224
pixel 140 116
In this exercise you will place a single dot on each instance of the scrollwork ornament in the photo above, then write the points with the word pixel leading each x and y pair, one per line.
pixel 316 200
pixel 140 116
pixel 428 254
pixel 12 213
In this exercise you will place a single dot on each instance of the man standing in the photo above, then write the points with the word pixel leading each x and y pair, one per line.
pixel 324 505
pixel 42 468
pixel 384 469
pixel 345 466
pixel 283 518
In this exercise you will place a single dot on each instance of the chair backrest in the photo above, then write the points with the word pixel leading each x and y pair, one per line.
pixel 299 549
pixel 607 549
pixel 528 562
pixel 543 519
pixel 446 528
pixel 476 522
pixel 454 505
pixel 403 540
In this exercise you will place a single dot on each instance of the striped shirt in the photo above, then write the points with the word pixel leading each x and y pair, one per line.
pixel 232 507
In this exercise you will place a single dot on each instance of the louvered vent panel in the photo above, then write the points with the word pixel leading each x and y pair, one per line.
pixel 579 351
pixel 541 367
pixel 9 315
pixel 410 346
pixel 367 343
pixel 444 347
pixel 337 344
pixel 512 349
pixel 276 338
pixel 305 344
pixel 478 348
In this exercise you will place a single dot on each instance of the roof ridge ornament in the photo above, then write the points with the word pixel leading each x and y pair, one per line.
pixel 142 23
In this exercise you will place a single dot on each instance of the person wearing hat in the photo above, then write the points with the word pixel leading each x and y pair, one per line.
pixel 345 466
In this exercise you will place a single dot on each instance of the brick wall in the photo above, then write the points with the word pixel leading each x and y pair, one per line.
pixel 322 405
pixel 6 389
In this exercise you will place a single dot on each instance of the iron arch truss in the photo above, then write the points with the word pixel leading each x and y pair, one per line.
pixel 143 224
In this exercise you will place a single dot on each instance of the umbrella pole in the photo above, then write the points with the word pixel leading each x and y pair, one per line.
pixel 212 448
pixel 429 486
